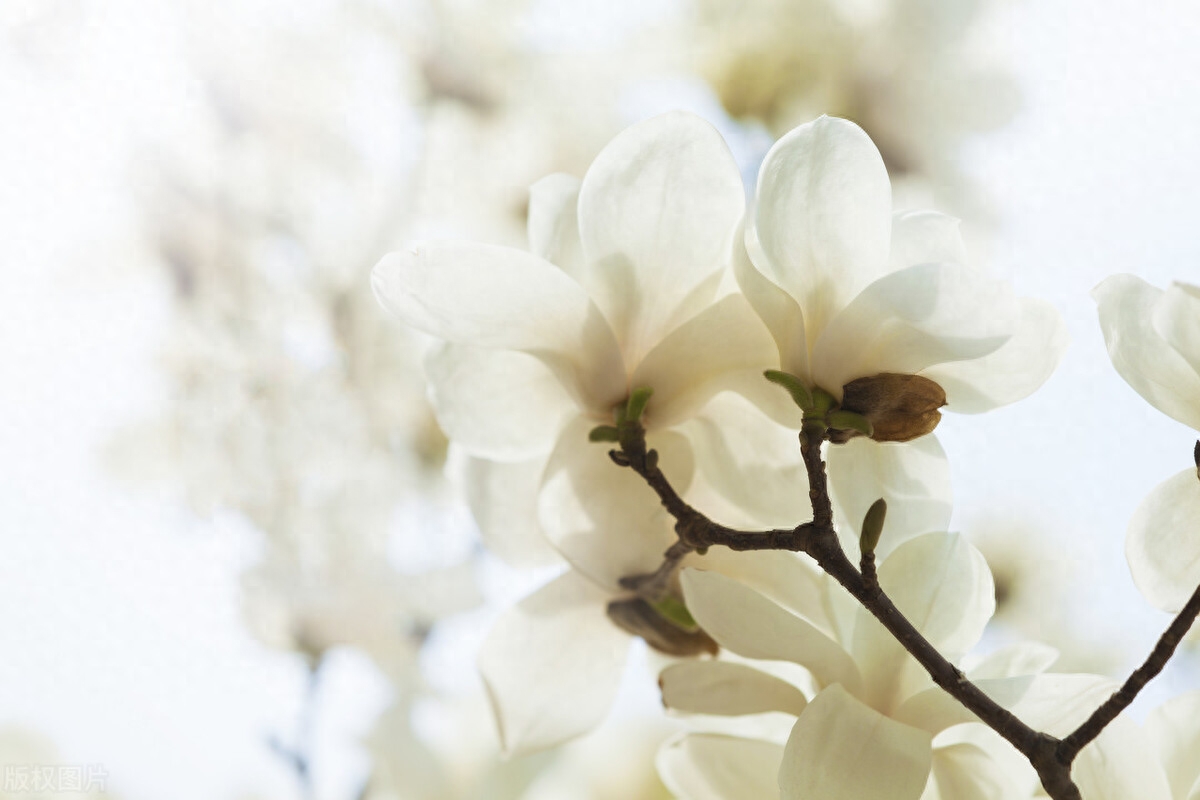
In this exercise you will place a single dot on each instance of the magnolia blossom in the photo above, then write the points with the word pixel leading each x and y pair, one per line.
pixel 866 722
pixel 1153 338
pixel 1175 734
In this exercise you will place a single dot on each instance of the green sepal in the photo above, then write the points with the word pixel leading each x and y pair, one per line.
pixel 674 611
pixel 842 420
pixel 638 399
pixel 604 433
pixel 872 526
pixel 798 391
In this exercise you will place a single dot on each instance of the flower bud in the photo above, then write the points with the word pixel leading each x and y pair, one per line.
pixel 898 407
pixel 636 616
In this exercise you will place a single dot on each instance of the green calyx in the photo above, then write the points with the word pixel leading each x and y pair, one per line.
pixel 676 612
pixel 820 409
pixel 626 416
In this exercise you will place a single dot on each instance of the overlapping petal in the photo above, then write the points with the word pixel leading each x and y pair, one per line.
pixel 722 346
pixel 1130 320
pixel 1174 731
pixel 503 298
pixel 913 477
pixel 925 237
pixel 705 766
pixel 943 586
pixel 841 749
pixel 747 623
pixel 554 223
pixel 1163 542
pixel 552 665
pixel 914 319
pixel 728 689
pixel 503 499
pixel 497 404
pixel 657 211
pixel 604 520
pixel 823 218
pixel 1177 320
pixel 965 771
pixel 1120 765
pixel 1011 373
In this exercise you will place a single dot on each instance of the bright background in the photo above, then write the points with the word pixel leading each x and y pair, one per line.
pixel 124 642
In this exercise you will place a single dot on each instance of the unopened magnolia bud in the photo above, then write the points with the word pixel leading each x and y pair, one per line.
pixel 872 526
pixel 899 407
pixel 638 617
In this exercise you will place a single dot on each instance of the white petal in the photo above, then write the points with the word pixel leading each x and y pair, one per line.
pixel 966 771
pixel 726 688
pixel 1018 658
pixel 602 518
pixel 1057 704
pixel 1011 373
pixel 789 579
pixel 925 237
pixel 1120 765
pixel 1163 543
pixel 714 767
pixel 554 224
pixel 1177 320
pixel 934 710
pixel 721 346
pixel 657 212
pixel 1174 730
pixel 742 620
pixel 503 500
pixel 913 477
pixel 552 665
pixel 751 461
pixel 842 750
pixel 497 404
pixel 776 308
pixel 823 216
pixel 914 319
pixel 1140 354
pixel 942 585
pixel 499 297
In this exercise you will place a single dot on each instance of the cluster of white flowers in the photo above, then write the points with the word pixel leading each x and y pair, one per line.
pixel 649 292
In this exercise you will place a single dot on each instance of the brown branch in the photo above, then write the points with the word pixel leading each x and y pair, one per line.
pixel 1120 699
pixel 819 540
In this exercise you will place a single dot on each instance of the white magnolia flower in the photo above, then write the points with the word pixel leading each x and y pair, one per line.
pixel 1153 338
pixel 849 290
pixel 870 723
pixel 1174 730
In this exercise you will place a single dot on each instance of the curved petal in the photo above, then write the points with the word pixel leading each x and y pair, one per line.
pixel 747 623
pixel 1177 320
pixel 657 211
pixel 914 319
pixel 497 404
pixel 503 298
pixel 1013 372
pixel 752 462
pixel 1119 765
pixel 934 710
pixel 1163 543
pixel 925 237
pixel 789 579
pixel 503 500
pixel 552 665
pixel 713 350
pixel 554 224
pixel 777 309
pixel 727 689
pixel 1140 354
pixel 1174 730
pixel 823 216
pixel 942 585
pixel 604 519
pixel 913 477
pixel 842 750
pixel 706 766
pixel 1018 658
pixel 966 771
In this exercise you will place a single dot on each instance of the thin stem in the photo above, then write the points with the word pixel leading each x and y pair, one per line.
pixel 1120 699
